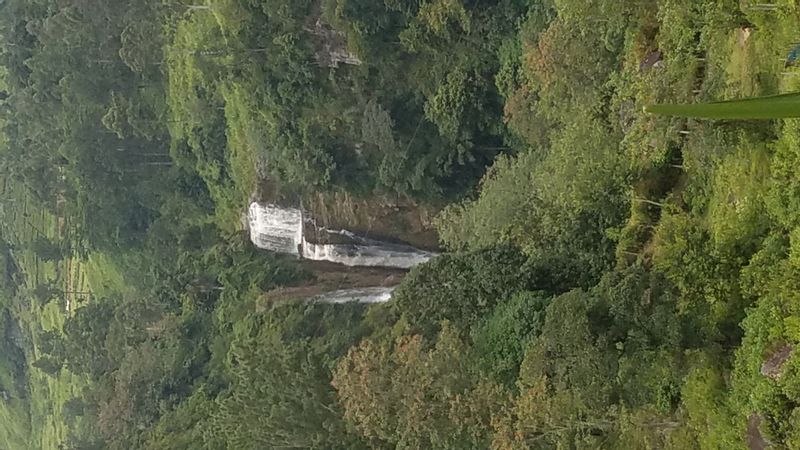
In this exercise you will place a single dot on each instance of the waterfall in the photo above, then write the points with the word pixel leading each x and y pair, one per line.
pixel 276 229
pixel 281 230
pixel 373 254
pixel 362 295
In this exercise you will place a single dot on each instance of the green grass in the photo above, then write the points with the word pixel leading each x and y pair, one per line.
pixel 708 56
pixel 103 276
pixel 15 429
pixel 36 421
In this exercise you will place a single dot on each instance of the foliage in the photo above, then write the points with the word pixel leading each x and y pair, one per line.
pixel 610 278
pixel 409 394
pixel 278 395
pixel 557 208
pixel 502 339
pixel 464 288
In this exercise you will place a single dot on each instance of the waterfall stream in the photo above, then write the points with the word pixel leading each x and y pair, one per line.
pixel 281 230
pixel 360 295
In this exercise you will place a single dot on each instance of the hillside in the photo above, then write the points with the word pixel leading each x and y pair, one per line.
pixel 609 278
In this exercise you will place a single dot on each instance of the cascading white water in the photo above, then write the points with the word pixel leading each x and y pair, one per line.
pixel 373 255
pixel 362 295
pixel 276 229
pixel 281 230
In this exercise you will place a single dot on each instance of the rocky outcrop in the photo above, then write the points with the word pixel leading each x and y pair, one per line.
pixel 773 365
pixel 331 45
pixel 652 60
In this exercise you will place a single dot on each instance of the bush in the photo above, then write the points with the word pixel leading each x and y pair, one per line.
pixel 463 287
pixel 501 340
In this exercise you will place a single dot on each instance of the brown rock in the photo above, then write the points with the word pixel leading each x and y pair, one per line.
pixel 652 60
pixel 773 366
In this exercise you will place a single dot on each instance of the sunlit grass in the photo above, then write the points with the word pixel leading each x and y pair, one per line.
pixel 103 276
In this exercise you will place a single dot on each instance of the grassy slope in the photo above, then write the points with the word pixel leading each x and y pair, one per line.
pixel 36 422
pixel 727 63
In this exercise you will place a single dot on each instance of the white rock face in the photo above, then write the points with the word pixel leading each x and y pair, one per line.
pixel 276 229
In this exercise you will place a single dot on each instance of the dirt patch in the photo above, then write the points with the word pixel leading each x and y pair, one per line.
pixel 652 60
pixel 755 440
pixel 742 36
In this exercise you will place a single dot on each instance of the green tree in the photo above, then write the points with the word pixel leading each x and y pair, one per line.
pixel 446 107
pixel 48 365
pixel 47 250
pixel 51 343
pixel 502 338
pixel 558 208
pixel 44 293
pixel 464 287
pixel 85 339
pixel 74 407
pixel 280 395
pixel 411 394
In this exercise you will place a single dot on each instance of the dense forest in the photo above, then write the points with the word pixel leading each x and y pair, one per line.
pixel 608 278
